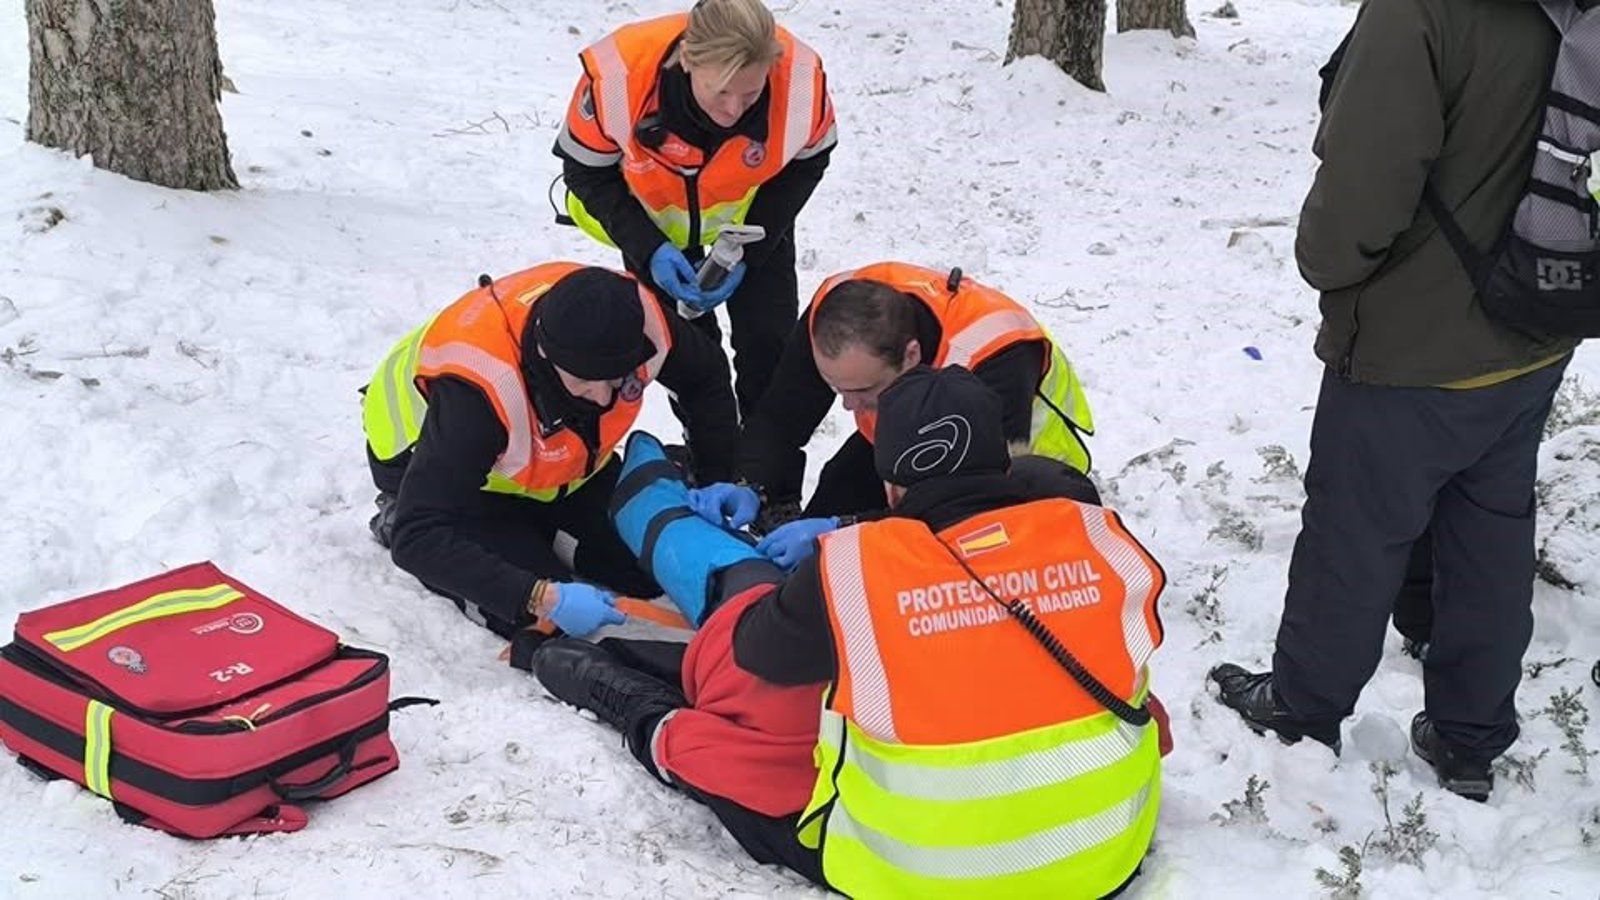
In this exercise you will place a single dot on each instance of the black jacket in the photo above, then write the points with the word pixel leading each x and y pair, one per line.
pixel 784 638
pixel 441 497
pixel 771 450
pixel 777 203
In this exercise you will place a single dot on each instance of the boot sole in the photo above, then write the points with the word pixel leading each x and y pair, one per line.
pixel 1474 789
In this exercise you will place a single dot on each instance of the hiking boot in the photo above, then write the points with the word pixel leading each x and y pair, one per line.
pixel 1250 694
pixel 589 677
pixel 382 524
pixel 1469 778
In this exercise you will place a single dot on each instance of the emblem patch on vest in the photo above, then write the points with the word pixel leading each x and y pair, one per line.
pixel 755 155
pixel 990 537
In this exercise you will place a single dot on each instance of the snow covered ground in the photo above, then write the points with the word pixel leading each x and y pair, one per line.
pixel 209 350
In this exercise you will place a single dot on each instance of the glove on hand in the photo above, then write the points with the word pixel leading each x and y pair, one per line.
pixel 672 273
pixel 789 545
pixel 718 295
pixel 582 609
pixel 724 504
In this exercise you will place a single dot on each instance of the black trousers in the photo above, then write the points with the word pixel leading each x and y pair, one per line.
pixel 523 532
pixel 1389 465
pixel 762 312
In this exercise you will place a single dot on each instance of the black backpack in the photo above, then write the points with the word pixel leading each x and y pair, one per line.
pixel 1543 274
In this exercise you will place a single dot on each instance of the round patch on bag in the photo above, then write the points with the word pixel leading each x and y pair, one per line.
pixel 128 658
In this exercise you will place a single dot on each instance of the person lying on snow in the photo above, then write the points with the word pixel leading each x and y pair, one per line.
pixel 978 659
pixel 490 433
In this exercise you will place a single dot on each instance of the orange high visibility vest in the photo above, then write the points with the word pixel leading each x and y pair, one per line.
pixel 955 757
pixel 691 198
pixel 478 339
pixel 927 657
pixel 975 320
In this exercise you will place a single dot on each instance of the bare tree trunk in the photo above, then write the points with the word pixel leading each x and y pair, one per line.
pixel 1069 33
pixel 1157 15
pixel 135 83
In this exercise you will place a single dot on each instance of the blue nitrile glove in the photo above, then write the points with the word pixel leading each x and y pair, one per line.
pixel 717 296
pixel 582 609
pixel 789 545
pixel 732 505
pixel 672 273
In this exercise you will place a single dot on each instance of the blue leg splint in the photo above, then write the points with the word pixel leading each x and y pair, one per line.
pixel 682 551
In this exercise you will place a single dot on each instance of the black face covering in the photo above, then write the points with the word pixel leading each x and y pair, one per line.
pixel 556 405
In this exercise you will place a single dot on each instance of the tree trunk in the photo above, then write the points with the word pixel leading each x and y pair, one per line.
pixel 1160 15
pixel 134 83
pixel 1069 33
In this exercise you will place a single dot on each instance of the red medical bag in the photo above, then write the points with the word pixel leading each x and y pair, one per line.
pixel 195 704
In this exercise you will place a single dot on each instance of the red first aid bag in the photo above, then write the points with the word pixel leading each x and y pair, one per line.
pixel 194 703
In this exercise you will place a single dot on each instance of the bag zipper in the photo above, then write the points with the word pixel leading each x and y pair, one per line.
pixel 31 660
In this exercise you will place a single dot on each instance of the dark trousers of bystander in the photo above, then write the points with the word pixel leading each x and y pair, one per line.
pixel 1388 465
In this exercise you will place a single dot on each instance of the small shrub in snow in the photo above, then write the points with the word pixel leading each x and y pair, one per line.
pixel 1278 463
pixel 1238 529
pixel 1347 884
pixel 1574 407
pixel 1569 714
pixel 1534 669
pixel 1250 809
pixel 1411 839
pixel 1520 769
pixel 1206 607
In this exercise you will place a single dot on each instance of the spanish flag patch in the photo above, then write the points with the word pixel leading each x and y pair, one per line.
pixel 989 537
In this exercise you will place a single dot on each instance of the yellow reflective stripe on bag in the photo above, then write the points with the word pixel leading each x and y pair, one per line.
pixel 170 603
pixel 97 748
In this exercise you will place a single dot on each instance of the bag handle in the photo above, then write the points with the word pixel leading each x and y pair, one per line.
pixel 1134 715
pixel 298 792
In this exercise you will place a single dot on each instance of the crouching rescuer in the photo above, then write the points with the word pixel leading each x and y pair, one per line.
pixel 490 435
pixel 979 660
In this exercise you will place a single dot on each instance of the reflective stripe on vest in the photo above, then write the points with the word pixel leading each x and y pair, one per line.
pixel 803 66
pixel 977 322
pixel 394 409
pixel 1063 801
pixel 623 71
pixel 510 394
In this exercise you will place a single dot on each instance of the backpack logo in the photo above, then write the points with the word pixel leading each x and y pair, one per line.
pixel 1560 275
pixel 128 658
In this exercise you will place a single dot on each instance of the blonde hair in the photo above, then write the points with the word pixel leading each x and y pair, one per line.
pixel 725 36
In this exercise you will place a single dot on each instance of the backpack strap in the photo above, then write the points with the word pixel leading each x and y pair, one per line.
pixel 1471 258
pixel 1563 13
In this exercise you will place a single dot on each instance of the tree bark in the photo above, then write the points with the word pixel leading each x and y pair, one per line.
pixel 1069 33
pixel 1162 15
pixel 134 83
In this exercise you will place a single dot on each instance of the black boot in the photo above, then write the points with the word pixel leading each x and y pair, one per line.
pixel 1469 778
pixel 589 677
pixel 382 524
pixel 1251 696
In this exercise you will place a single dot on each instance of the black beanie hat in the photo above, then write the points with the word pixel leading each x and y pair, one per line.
pixel 935 422
pixel 591 326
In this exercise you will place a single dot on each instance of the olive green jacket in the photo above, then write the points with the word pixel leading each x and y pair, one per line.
pixel 1447 90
